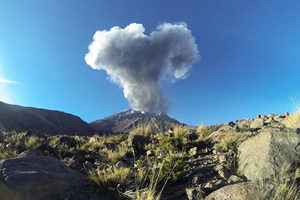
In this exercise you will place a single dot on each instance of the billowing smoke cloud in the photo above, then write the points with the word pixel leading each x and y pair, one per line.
pixel 138 61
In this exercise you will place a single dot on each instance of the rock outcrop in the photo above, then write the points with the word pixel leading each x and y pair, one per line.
pixel 36 177
pixel 264 154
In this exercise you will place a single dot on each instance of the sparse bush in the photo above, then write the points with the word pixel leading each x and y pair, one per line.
pixel 229 141
pixel 6 153
pixel 144 129
pixel 116 154
pixel 171 151
pixel 32 142
pixel 110 176
pixel 15 138
pixel 281 186
pixel 180 133
pixel 96 143
pixel 93 143
pixel 151 183
pixel 205 131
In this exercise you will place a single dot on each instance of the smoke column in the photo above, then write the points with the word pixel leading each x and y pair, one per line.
pixel 138 62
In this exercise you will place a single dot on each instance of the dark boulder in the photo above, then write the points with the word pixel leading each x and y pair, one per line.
pixel 32 176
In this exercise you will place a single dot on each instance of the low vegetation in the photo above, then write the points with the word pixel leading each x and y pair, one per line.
pixel 143 165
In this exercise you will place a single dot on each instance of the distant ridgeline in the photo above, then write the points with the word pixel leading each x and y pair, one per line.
pixel 42 121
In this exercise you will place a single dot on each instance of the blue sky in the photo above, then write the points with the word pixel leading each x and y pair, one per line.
pixel 250 56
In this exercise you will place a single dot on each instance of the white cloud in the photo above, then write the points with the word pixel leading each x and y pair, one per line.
pixel 6 81
pixel 5 94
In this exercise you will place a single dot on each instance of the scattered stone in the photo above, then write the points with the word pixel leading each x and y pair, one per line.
pixel 243 124
pixel 232 124
pixel 259 116
pixel 214 185
pixel 121 164
pixel 225 128
pixel 257 123
pixel 234 179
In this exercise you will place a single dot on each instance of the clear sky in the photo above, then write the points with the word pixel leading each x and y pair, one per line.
pixel 250 56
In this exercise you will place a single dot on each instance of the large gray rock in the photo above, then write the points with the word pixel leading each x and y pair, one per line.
pixel 36 177
pixel 257 123
pixel 239 191
pixel 264 154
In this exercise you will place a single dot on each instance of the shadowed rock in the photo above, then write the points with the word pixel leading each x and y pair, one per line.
pixel 32 176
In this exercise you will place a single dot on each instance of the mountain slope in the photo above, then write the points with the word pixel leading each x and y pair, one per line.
pixel 125 121
pixel 34 120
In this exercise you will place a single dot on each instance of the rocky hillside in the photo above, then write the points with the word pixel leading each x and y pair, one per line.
pixel 242 160
pixel 125 121
pixel 34 120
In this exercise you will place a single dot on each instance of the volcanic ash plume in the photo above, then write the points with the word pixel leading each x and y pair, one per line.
pixel 138 61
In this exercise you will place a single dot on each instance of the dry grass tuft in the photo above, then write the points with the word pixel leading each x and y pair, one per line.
pixel 281 186
pixel 293 120
pixel 110 177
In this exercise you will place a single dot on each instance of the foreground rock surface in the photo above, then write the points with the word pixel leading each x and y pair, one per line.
pixel 240 191
pixel 266 153
pixel 36 177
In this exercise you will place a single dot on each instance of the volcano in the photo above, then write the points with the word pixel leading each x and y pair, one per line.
pixel 124 122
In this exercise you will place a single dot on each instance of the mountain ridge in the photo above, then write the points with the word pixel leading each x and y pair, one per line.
pixel 38 120
pixel 127 120
pixel 53 122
